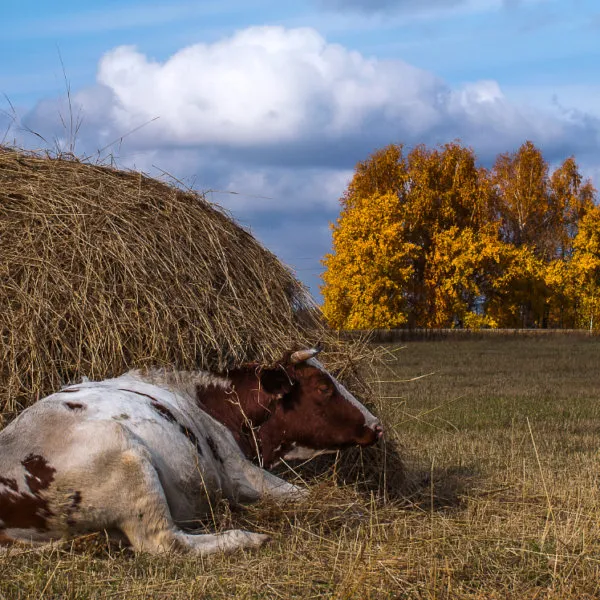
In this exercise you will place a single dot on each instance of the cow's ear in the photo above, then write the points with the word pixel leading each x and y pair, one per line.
pixel 276 382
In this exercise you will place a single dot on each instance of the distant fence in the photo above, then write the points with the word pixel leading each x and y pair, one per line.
pixel 405 335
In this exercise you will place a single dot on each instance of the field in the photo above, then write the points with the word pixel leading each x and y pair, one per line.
pixel 501 498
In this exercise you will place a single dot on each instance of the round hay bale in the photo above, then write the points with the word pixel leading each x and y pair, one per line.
pixel 104 270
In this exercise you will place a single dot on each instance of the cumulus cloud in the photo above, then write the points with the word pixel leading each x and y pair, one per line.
pixel 269 95
pixel 263 86
pixel 280 116
pixel 268 190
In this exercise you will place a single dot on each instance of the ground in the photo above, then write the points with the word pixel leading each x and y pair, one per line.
pixel 502 483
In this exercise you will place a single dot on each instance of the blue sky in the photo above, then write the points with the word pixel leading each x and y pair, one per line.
pixel 270 104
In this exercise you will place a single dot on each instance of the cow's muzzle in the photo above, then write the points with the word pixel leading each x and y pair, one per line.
pixel 371 434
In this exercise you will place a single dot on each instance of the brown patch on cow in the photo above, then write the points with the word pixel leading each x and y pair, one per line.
pixel 190 435
pixel 72 507
pixel 74 405
pixel 267 409
pixel 24 511
pixel 70 391
pixel 27 510
pixel 39 474
pixel 164 411
pixel 247 404
pixel 140 394
pixel 213 448
pixel 314 414
pixel 11 484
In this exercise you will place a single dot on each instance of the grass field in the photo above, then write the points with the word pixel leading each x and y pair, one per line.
pixel 501 498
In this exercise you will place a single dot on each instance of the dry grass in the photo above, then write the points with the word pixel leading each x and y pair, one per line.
pixel 103 270
pixel 501 498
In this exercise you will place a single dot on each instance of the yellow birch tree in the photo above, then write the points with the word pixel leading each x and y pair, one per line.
pixel 430 239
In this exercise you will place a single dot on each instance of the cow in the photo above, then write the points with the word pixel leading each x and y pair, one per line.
pixel 147 454
pixel 296 412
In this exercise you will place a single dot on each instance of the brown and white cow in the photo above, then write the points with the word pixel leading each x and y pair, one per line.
pixel 295 410
pixel 141 455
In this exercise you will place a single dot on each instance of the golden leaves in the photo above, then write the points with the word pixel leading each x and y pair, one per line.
pixel 430 239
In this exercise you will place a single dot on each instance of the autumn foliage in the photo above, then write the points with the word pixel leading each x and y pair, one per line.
pixel 430 239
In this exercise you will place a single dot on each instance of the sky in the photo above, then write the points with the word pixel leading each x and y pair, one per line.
pixel 268 105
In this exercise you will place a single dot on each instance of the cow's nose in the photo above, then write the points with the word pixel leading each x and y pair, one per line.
pixel 378 431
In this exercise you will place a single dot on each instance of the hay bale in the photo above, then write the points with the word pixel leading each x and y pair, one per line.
pixel 103 270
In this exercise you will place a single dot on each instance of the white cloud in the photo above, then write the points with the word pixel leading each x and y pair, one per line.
pixel 265 85
pixel 252 191
pixel 584 96
pixel 247 192
pixel 493 124
pixel 280 116
pixel 269 95
pixel 481 92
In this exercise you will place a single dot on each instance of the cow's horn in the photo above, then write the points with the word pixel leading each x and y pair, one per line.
pixel 302 355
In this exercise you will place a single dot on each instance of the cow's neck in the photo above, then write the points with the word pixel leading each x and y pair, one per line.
pixel 242 407
pixel 272 439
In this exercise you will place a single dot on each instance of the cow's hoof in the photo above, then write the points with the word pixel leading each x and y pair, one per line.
pixel 296 493
pixel 238 538
pixel 301 492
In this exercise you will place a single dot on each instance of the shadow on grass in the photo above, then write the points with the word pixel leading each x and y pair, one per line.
pixel 384 472
pixel 439 488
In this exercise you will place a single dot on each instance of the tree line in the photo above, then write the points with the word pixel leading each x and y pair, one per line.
pixel 428 238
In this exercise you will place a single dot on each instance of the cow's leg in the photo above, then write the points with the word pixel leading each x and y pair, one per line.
pixel 147 522
pixel 257 482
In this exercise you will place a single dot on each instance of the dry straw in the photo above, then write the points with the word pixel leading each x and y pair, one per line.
pixel 103 270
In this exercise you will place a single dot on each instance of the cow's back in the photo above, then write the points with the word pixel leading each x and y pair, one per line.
pixel 59 458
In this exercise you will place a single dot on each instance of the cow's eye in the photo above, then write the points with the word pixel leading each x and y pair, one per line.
pixel 324 389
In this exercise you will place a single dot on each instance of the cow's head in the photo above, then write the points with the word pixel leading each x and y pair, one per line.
pixel 314 412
